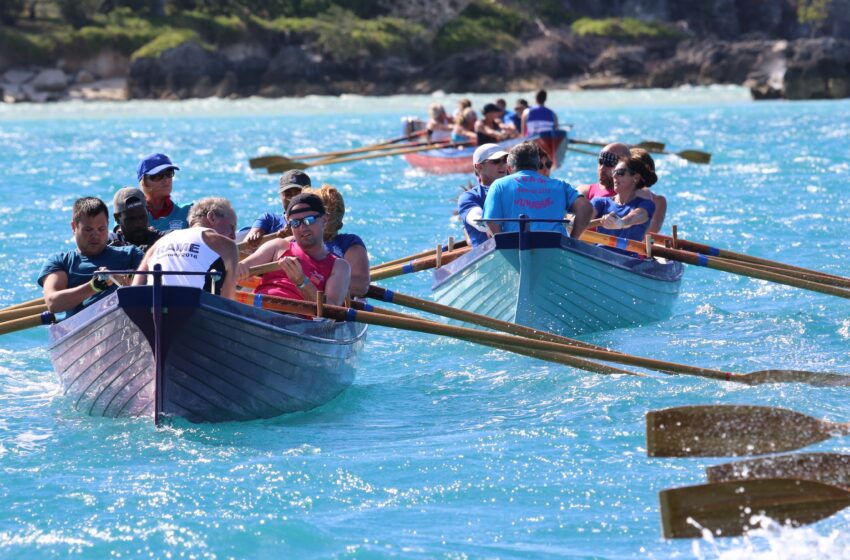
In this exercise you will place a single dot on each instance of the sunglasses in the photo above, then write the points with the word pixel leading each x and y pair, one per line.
pixel 622 171
pixel 161 175
pixel 308 221
pixel 607 159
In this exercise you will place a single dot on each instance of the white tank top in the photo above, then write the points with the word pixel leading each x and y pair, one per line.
pixel 183 250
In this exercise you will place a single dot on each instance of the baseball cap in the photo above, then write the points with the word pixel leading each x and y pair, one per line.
pixel 293 179
pixel 153 164
pixel 126 198
pixel 486 152
pixel 313 202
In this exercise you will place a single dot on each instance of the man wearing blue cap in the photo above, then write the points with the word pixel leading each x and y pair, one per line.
pixel 155 175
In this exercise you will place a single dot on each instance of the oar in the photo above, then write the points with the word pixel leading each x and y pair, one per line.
pixel 648 145
pixel 244 247
pixel 299 165
pixel 726 508
pixel 733 430
pixel 406 322
pixel 416 265
pixel 27 322
pixel 828 468
pixel 265 161
pixel 29 303
pixel 693 156
pixel 268 161
pixel 22 312
pixel 403 260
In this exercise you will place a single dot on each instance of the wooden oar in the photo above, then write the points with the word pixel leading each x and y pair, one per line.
pixel 404 260
pixel 693 156
pixel 29 303
pixel 265 161
pixel 828 468
pixel 416 265
pixel 726 508
pixel 299 165
pixel 648 145
pixel 22 312
pixel 27 322
pixel 733 430
pixel 283 160
pixel 245 248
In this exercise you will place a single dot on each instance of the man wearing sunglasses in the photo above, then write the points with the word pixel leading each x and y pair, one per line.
pixel 306 266
pixel 155 175
pixel 608 158
pixel 490 163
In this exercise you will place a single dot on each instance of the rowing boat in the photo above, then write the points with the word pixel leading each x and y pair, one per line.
pixel 459 160
pixel 548 281
pixel 220 360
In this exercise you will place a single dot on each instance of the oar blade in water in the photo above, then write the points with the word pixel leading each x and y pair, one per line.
pixel 729 430
pixel 828 468
pixel 727 508
pixel 815 378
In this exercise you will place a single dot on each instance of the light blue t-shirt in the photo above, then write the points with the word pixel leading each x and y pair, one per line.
pixel 178 218
pixel 530 193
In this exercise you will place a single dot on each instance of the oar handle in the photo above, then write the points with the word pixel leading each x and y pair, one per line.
pixel 417 265
pixel 44 318
pixel 245 246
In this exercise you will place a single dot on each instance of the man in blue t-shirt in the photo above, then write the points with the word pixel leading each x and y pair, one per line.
pixel 290 185
pixel 528 192
pixel 540 118
pixel 490 163
pixel 69 280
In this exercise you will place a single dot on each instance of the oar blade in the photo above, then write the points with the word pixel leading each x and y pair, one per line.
pixel 814 378
pixel 651 146
pixel 695 156
pixel 828 468
pixel 283 166
pixel 729 430
pixel 727 508
pixel 265 161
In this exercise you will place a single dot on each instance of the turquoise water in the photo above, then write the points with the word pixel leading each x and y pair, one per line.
pixel 440 448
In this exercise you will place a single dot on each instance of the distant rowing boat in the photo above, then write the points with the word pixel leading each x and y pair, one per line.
pixel 221 360
pixel 459 160
pixel 558 284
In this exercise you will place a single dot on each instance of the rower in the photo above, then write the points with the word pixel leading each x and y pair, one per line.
pixel 306 266
pixel 540 118
pixel 131 220
pixel 487 128
pixel 206 245
pixel 69 279
pixel 608 158
pixel 290 185
pixel 490 163
pixel 528 192
pixel 626 215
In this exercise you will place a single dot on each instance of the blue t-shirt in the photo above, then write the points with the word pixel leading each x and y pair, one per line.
pixel 80 268
pixel 539 119
pixel 178 218
pixel 270 223
pixel 603 205
pixel 473 198
pixel 342 243
pixel 530 193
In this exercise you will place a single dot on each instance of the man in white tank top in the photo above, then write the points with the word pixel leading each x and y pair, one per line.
pixel 206 245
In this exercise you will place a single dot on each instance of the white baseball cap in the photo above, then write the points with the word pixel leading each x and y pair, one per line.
pixel 486 152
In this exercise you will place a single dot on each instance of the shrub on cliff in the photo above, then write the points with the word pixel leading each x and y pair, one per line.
pixel 626 28
pixel 484 24
pixel 167 40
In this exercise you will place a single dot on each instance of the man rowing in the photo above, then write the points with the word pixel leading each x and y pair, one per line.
pixel 490 163
pixel 608 158
pixel 69 279
pixel 290 185
pixel 206 245
pixel 131 220
pixel 527 191
pixel 306 266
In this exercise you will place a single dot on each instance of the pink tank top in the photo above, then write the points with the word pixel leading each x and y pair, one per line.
pixel 277 283
pixel 597 190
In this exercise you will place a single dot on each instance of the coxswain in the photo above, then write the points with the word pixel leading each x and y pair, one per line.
pixel 155 174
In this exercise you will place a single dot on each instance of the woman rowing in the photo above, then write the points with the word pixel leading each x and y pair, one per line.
pixel 306 266
pixel 626 214
pixel 439 124
pixel 464 128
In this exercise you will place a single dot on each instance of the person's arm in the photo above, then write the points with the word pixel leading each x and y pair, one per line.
pixel 583 190
pixel 59 297
pixel 659 215
pixel 476 213
pixel 582 211
pixel 254 236
pixel 490 209
pixel 265 254
pixel 524 122
pixel 339 284
pixel 226 248
pixel 358 261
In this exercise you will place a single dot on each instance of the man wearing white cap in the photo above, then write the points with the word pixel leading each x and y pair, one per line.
pixel 490 163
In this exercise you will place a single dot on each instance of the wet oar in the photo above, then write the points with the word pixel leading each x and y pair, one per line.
pixel 733 430
pixel 300 165
pixel 27 322
pixel 648 145
pixel 22 312
pixel 828 468
pixel 29 303
pixel 727 508
pixel 404 260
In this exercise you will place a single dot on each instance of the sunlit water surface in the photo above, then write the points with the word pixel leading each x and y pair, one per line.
pixel 440 448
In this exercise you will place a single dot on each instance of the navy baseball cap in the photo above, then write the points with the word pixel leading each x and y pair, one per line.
pixel 154 164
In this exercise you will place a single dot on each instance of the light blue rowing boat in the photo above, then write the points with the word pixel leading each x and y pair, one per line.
pixel 558 284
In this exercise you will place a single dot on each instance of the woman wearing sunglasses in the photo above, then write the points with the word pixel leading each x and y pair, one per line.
pixel 155 174
pixel 306 266
pixel 626 214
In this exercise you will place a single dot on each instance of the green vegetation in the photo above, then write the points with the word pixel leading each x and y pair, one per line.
pixel 165 41
pixel 625 28
pixel 813 13
pixel 484 24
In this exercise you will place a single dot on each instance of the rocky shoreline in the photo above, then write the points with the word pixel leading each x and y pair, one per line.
pixel 771 69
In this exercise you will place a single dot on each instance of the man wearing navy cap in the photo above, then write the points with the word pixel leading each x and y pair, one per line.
pixel 155 175
pixel 131 219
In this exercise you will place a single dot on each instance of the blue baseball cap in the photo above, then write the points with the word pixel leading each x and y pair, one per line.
pixel 153 164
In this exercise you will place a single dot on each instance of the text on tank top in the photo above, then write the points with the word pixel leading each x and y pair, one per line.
pixel 277 283
pixel 183 250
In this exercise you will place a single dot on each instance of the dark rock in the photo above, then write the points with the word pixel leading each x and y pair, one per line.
pixel 480 70
pixel 620 61
pixel 818 69
pixel 177 72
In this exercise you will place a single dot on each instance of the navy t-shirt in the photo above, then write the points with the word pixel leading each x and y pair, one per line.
pixel 80 268
pixel 604 205
pixel 270 223
pixel 473 198
pixel 342 243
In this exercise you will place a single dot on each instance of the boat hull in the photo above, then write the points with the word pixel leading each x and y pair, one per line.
pixel 559 284
pixel 459 160
pixel 221 360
